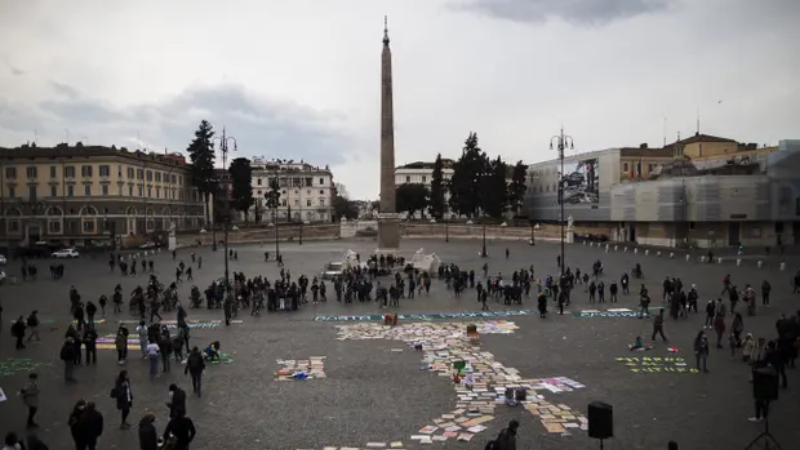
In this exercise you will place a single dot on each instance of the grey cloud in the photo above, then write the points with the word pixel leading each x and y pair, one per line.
pixel 261 126
pixel 595 12
pixel 65 90
pixel 17 72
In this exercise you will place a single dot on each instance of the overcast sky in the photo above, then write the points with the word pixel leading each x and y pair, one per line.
pixel 301 79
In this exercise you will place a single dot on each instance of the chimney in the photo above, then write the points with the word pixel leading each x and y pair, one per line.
pixel 643 146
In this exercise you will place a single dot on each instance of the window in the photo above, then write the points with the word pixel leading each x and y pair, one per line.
pixel 424 179
pixel 158 192
pixel 649 167
pixel 32 193
pixel 625 167
pixel 140 174
pixel 105 171
pixel 87 190
pixel 158 177
pixel 11 172
pixel 149 191
pixel 408 179
pixel 52 171
pixel 119 170
pixel 31 171
pixel 86 171
pixel 13 226
pixel 53 191
pixel 321 181
pixel 258 182
pixel 149 175
pixel 141 191
pixel 308 202
pixel 173 179
pixel 296 202
pixel 130 191
pixel 54 226
pixel 119 190
pixel 321 202
pixel 130 172
pixel 70 191
pixel 88 226
pixel 105 189
pixel 69 171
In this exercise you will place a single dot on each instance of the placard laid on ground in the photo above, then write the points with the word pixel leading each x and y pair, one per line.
pixel 313 367
pixel 656 364
pixel 614 312
pixel 431 316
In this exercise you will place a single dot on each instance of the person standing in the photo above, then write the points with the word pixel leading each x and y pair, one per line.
pixel 766 288
pixel 701 350
pixel 18 331
pixel 152 354
pixel 74 423
pixel 142 330
pixel 124 395
pixel 195 364
pixel 90 426
pixel 121 344
pixel 68 356
pixel 719 327
pixel 148 436
pixel 177 401
pixel 90 342
pixel 507 439
pixel 658 326
pixel 30 396
pixel 33 326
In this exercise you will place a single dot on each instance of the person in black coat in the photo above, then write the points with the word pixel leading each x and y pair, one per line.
pixel 74 423
pixel 90 426
pixel 18 331
pixel 177 402
pixel 183 430
pixel 148 437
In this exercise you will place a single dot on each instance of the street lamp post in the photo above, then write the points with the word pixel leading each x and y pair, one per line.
pixel 223 146
pixel 447 227
pixel 483 249
pixel 562 141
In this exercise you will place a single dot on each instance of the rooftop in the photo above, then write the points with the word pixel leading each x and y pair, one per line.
pixel 87 151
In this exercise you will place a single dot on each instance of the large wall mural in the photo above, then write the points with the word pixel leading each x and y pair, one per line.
pixel 582 181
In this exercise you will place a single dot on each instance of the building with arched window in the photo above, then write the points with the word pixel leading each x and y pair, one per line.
pixel 91 195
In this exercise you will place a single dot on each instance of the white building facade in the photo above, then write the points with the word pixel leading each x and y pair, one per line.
pixel 306 191
pixel 422 173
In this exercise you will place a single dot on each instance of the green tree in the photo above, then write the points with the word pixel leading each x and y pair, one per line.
pixel 493 189
pixel 412 197
pixel 273 198
pixel 343 207
pixel 241 174
pixel 468 174
pixel 517 187
pixel 437 204
pixel 201 153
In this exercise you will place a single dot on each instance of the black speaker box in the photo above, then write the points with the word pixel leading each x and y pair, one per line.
pixel 521 394
pixel 601 420
pixel 765 383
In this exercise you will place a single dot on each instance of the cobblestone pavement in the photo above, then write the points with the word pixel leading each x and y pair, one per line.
pixel 372 393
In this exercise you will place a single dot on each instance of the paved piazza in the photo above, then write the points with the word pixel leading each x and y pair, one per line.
pixel 371 388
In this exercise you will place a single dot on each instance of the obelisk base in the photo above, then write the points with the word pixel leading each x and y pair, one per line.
pixel 388 234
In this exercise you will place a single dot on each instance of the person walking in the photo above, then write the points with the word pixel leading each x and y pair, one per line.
pixel 177 401
pixel 33 326
pixel 18 331
pixel 12 442
pixel 90 343
pixel 124 396
pixel 30 397
pixel 195 364
pixel 121 344
pixel 68 356
pixel 74 423
pixel 701 350
pixel 507 439
pixel 719 327
pixel 183 430
pixel 658 326
pixel 148 436
pixel 90 427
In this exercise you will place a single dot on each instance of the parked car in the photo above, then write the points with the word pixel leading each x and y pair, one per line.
pixel 332 270
pixel 66 253
pixel 148 245
pixel 3 260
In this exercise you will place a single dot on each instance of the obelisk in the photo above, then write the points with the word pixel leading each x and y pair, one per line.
pixel 388 219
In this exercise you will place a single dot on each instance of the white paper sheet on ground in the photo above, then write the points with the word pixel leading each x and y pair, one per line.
pixel 376 444
pixel 2 396
pixel 619 310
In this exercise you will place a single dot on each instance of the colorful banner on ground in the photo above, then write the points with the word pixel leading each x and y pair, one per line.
pixel 616 312
pixel 433 316
pixel 656 364
pixel 193 324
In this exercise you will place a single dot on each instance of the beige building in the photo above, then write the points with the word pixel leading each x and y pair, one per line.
pixel 90 195
pixel 703 191
pixel 306 191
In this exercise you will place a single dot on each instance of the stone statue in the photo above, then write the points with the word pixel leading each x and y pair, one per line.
pixel 570 223
pixel 172 229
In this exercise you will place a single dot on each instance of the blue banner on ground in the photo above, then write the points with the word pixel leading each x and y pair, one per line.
pixel 433 316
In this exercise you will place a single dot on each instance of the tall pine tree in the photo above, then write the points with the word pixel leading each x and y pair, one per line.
pixel 201 153
pixel 437 204
pixel 493 189
pixel 241 185
pixel 468 172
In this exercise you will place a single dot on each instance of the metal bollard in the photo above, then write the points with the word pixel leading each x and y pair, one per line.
pixel 783 267
pixel 646 252
pixel 658 254
pixel 738 262
pixel 636 250
pixel 616 247
pixel 672 255
pixel 759 264
pixel 719 260
pixel 688 258
pixel 702 259
pixel 607 247
pixel 626 249
pixel 591 244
